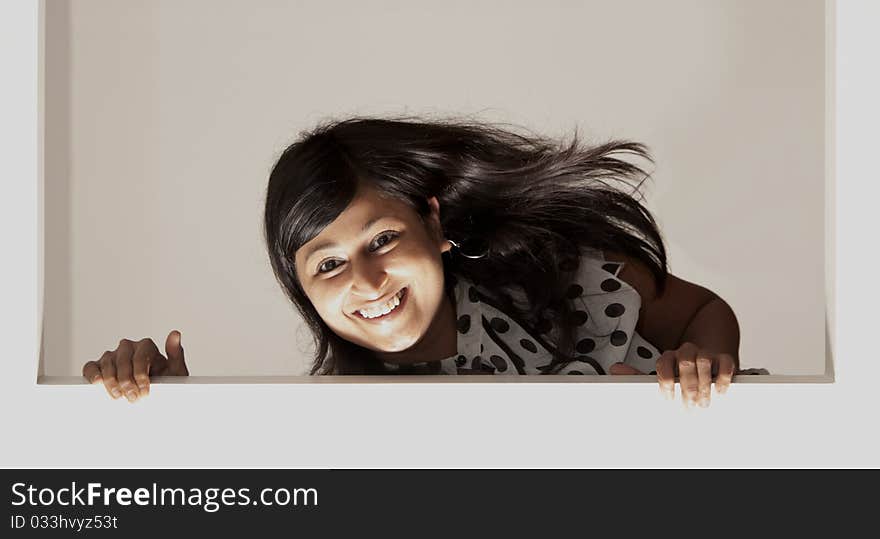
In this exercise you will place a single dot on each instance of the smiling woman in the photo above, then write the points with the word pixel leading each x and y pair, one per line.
pixel 366 222
pixel 375 277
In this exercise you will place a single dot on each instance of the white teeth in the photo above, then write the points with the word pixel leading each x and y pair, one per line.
pixel 385 309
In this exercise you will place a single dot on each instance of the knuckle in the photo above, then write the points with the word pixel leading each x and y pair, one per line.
pixel 147 343
pixel 687 363
pixel 124 342
pixel 704 362
pixel 688 347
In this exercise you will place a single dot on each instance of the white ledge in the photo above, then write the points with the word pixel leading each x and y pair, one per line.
pixel 439 379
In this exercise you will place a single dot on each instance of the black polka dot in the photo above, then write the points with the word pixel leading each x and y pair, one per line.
pixel 585 346
pixel 578 318
pixel 644 352
pixel 460 361
pixel 499 363
pixel 473 295
pixel 569 264
pixel 610 268
pixel 481 347
pixel 528 345
pixel 574 372
pixel 610 285
pixel 614 310
pixel 653 372
pixel 477 363
pixel 618 338
pixel 464 323
pixel 574 291
pixel 499 324
pixel 544 326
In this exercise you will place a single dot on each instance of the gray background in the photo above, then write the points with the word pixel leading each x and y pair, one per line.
pixel 163 119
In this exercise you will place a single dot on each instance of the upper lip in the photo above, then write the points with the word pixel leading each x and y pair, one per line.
pixel 378 303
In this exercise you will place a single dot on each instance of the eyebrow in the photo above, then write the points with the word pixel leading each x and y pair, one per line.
pixel 327 244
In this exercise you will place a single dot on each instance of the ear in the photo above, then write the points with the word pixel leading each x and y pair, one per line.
pixel 434 226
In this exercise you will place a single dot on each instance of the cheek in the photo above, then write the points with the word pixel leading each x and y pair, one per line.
pixel 328 302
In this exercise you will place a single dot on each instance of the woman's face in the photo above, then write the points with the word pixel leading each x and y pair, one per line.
pixel 375 249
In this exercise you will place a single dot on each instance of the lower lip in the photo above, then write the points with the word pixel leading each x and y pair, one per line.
pixel 393 314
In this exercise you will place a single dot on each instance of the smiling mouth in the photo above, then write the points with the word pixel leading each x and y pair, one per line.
pixel 391 308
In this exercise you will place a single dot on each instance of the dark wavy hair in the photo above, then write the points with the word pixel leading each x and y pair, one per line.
pixel 533 202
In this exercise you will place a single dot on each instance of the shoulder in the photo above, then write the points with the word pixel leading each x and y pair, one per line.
pixel 635 273
pixel 639 276
pixel 662 319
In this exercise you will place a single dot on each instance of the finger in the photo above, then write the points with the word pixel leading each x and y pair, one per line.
pixel 623 368
pixel 726 367
pixel 174 352
pixel 108 373
pixel 666 373
pixel 704 375
pixel 687 368
pixel 124 371
pixel 92 372
pixel 140 364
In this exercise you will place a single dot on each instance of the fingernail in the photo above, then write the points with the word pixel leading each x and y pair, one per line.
pixel 704 403
pixel 116 393
pixel 96 379
pixel 131 396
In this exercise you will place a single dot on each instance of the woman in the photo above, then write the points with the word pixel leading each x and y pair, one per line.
pixel 455 247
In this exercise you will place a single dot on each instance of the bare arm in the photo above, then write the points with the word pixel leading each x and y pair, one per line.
pixel 686 312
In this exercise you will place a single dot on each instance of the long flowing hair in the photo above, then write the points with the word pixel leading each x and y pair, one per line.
pixel 532 201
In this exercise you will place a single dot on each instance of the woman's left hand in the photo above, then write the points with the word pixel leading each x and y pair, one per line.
pixel 695 368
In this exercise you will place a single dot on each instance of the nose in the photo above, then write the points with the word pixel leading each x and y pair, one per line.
pixel 369 280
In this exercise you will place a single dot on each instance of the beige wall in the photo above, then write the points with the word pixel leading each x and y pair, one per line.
pixel 163 119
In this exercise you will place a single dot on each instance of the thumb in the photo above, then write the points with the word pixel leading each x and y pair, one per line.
pixel 623 368
pixel 174 351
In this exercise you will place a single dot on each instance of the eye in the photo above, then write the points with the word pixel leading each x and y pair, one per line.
pixel 389 234
pixel 323 269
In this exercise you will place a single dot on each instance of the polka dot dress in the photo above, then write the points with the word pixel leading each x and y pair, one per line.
pixel 605 313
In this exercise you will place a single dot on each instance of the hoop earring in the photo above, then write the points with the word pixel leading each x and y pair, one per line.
pixel 466 255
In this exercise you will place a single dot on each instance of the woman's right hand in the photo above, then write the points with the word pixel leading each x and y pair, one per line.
pixel 127 370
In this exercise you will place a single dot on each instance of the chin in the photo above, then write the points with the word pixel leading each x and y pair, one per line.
pixel 398 346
